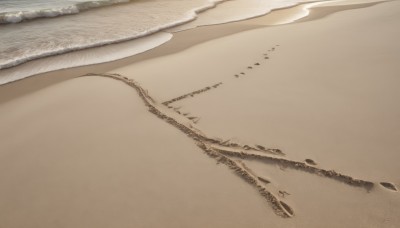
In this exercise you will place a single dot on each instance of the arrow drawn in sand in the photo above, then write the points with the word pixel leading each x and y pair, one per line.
pixel 234 155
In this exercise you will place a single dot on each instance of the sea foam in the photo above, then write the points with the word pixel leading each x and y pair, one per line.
pixel 18 15
pixel 33 40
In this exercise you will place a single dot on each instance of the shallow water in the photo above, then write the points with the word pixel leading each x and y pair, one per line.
pixel 34 39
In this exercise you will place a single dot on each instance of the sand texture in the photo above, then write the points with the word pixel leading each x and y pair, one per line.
pixel 286 126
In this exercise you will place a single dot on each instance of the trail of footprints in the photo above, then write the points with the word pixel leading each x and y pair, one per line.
pixel 196 119
pixel 234 155
pixel 265 57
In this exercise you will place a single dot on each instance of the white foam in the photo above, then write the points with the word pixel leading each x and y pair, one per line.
pixel 112 25
pixel 45 11
pixel 84 57
pixel 97 30
pixel 235 11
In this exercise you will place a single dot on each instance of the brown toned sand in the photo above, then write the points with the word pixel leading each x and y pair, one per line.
pixel 126 148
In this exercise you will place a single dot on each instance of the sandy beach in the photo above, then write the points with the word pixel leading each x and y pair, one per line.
pixel 243 124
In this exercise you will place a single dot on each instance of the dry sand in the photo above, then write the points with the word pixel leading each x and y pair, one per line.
pixel 87 152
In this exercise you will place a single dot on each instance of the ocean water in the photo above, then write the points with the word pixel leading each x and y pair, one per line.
pixel 14 11
pixel 35 29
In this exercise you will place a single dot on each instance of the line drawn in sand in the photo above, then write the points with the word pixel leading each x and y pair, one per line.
pixel 196 119
pixel 234 155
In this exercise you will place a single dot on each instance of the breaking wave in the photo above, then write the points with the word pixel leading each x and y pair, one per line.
pixel 24 15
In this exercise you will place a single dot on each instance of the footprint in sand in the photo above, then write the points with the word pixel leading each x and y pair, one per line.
pixel 310 162
pixel 389 186
pixel 260 147
pixel 249 67
pixel 288 209
pixel 265 181
pixel 283 193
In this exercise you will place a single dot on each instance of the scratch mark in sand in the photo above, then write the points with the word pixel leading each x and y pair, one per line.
pixel 233 154
pixel 192 93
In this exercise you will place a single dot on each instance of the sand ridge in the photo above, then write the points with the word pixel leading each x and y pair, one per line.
pixel 234 155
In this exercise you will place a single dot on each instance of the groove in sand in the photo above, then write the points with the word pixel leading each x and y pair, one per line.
pixel 192 93
pixel 232 154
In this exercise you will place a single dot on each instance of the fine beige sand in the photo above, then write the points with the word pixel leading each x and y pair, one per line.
pixel 288 126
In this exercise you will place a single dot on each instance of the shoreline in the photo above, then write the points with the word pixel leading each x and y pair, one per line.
pixel 179 42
